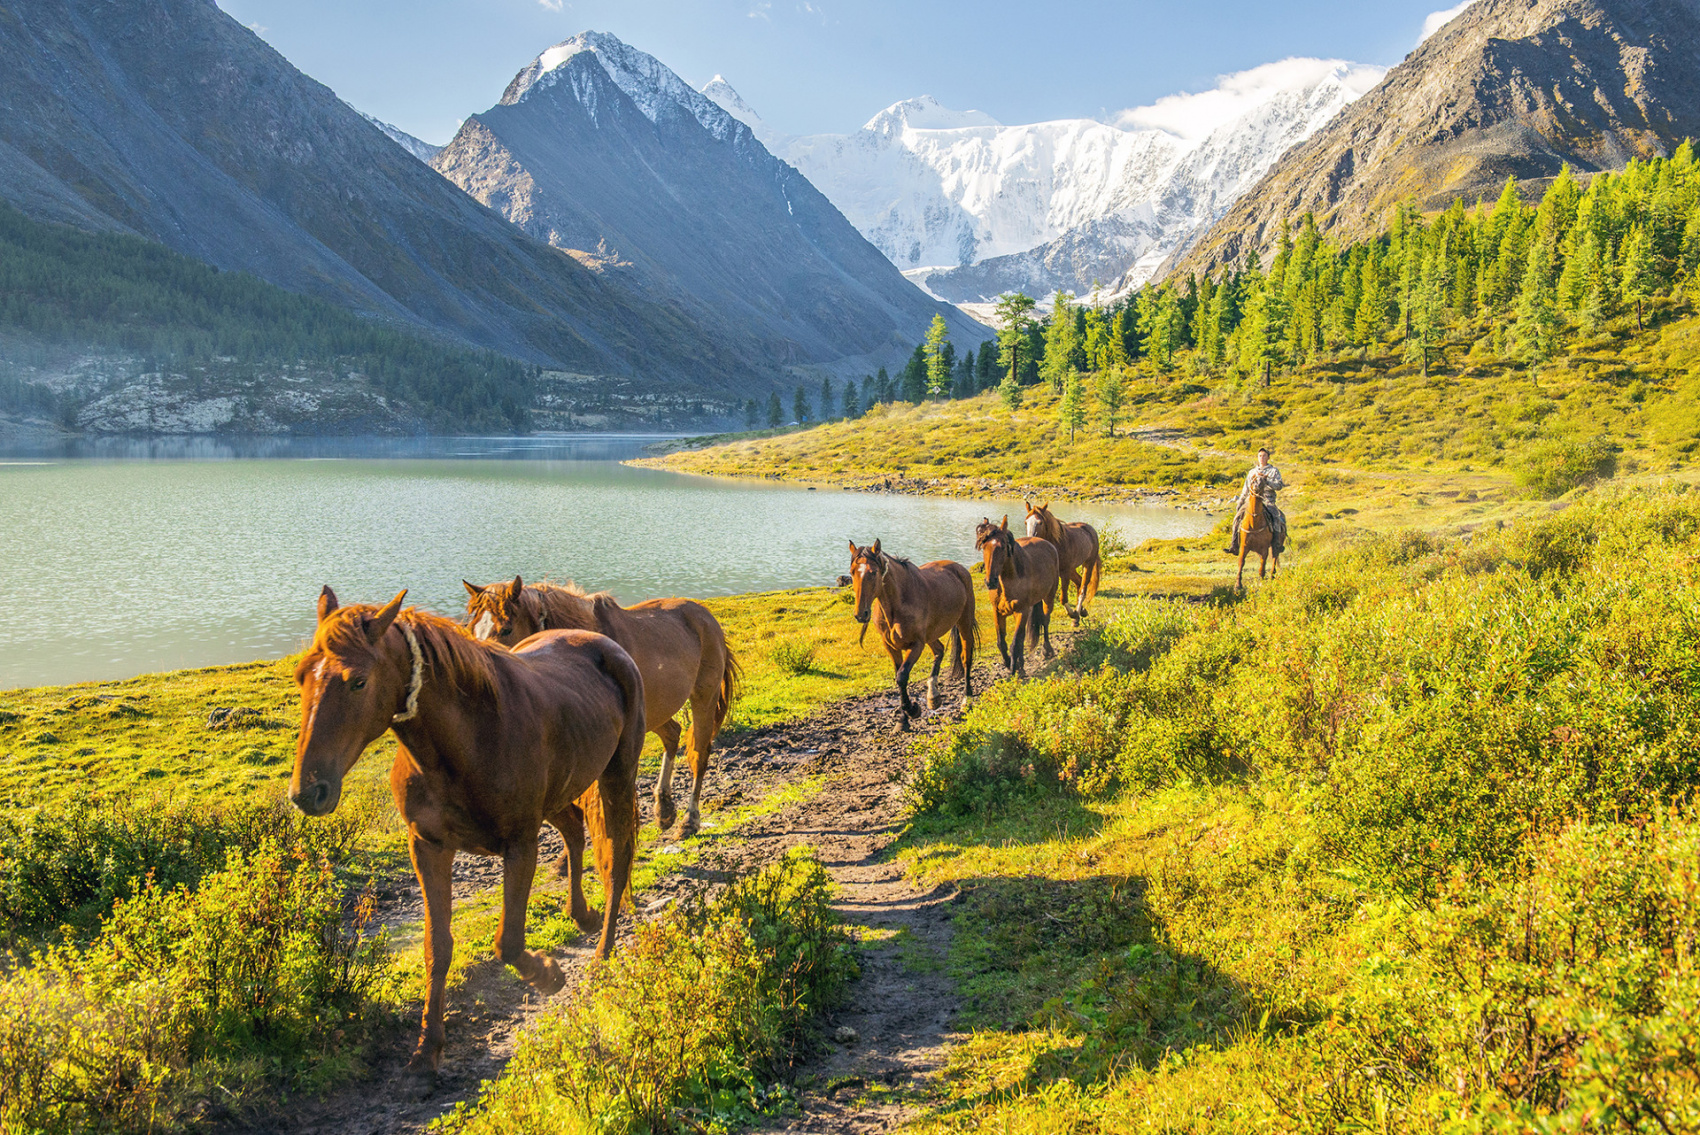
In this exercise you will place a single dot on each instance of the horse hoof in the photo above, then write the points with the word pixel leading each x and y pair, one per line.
pixel 550 980
pixel 691 825
pixel 932 703
pixel 589 921
pixel 966 702
pixel 665 814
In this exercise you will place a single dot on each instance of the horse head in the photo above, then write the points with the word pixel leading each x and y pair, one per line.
pixel 867 567
pixel 996 544
pixel 1041 522
pixel 355 680
pixel 502 613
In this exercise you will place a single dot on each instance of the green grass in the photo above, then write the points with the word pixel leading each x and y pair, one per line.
pixel 1403 844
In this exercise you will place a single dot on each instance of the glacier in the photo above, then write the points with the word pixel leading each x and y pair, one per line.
pixel 970 208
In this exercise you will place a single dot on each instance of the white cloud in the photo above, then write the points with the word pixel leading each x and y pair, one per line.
pixel 762 11
pixel 1193 116
pixel 1438 20
pixel 552 5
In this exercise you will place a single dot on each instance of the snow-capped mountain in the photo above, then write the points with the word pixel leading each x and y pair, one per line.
pixel 600 150
pixel 972 208
pixel 418 147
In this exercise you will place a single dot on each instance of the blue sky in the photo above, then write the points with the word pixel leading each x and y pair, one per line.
pixel 812 66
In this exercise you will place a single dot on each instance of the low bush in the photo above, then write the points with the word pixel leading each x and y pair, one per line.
pixel 693 1025
pixel 67 864
pixel 795 658
pixel 195 1002
pixel 1553 467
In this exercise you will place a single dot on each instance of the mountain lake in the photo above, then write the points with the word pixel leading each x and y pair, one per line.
pixel 128 557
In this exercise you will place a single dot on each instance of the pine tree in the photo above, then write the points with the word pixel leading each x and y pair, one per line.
pixel 852 404
pixel 800 405
pixel 938 355
pixel 1639 277
pixel 986 367
pixel 1014 313
pixel 826 399
pixel 1010 391
pixel 1112 395
pixel 775 411
pixel 752 414
pixel 882 388
pixel 913 381
pixel 1071 409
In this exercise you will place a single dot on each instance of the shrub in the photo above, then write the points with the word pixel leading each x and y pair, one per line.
pixel 794 658
pixel 257 980
pixel 1553 467
pixel 67 865
pixel 694 1025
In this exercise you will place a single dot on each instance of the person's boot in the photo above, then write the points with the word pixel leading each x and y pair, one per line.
pixel 1233 548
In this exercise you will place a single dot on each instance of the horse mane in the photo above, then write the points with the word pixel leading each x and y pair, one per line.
pixel 568 605
pixel 449 650
pixel 452 654
pixel 1049 526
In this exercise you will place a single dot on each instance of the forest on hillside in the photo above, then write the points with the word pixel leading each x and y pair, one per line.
pixel 109 292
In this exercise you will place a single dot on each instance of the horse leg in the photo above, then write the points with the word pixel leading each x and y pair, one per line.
pixel 1003 645
pixel 570 823
pixel 964 643
pixel 1078 578
pixel 614 834
pixel 1263 564
pixel 908 708
pixel 1045 630
pixel 1019 668
pixel 1276 568
pixel 519 865
pixel 1240 583
pixel 665 813
pixel 933 679
pixel 434 865
pixel 702 738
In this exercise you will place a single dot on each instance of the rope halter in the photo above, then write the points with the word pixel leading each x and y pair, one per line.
pixel 417 681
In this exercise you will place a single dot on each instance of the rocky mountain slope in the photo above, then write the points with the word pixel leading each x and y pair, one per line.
pixel 168 119
pixel 600 150
pixel 1508 87
pixel 974 208
pixel 418 147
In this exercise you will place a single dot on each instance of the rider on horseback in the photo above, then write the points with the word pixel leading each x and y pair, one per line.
pixel 1263 481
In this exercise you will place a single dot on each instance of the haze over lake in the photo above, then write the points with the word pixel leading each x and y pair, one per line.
pixel 114 567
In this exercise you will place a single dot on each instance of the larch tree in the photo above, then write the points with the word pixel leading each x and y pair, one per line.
pixel 1014 314
pixel 1071 408
pixel 1112 395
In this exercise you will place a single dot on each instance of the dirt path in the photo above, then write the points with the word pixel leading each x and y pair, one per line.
pixel 901 1009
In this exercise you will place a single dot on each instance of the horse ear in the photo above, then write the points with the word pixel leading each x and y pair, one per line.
pixel 876 547
pixel 853 548
pixel 1005 524
pixel 382 620
pixel 1044 507
pixel 514 589
pixel 327 602
pixel 1026 504
pixel 472 589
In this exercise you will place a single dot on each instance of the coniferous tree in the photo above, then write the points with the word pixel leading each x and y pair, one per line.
pixel 826 399
pixel 1112 395
pixel 1071 408
pixel 752 415
pixel 939 358
pixel 1060 342
pixel 1014 313
pixel 852 402
pixel 914 379
pixel 775 411
pixel 882 387
pixel 800 405
pixel 986 360
pixel 1639 278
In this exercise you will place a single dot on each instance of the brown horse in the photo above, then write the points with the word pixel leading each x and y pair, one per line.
pixel 678 646
pixel 1077 553
pixel 491 744
pixel 1257 535
pixel 1023 574
pixel 914 607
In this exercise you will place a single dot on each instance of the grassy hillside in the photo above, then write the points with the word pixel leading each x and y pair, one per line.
pixel 1405 843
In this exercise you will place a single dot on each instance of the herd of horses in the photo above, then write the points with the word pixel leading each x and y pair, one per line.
pixel 534 709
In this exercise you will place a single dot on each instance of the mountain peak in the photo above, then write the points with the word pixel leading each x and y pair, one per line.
pixel 650 83
pixel 721 93
pixel 926 113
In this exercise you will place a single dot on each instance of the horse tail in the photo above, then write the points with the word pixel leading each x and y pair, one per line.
pixel 731 677
pixel 1089 585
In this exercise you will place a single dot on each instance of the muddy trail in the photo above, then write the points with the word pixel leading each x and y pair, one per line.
pixel 893 1032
